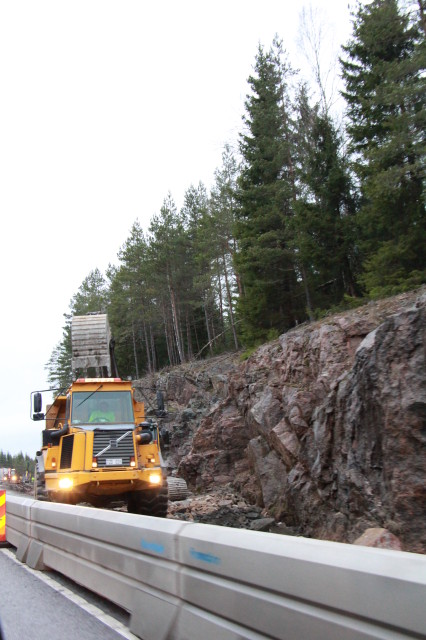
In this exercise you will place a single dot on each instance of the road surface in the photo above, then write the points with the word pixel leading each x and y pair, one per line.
pixel 35 605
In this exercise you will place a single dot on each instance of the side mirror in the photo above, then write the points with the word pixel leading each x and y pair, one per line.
pixel 37 402
pixel 37 405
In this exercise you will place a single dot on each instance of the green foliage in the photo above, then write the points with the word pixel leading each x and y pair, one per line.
pixel 296 230
pixel 22 463
pixel 323 230
pixel 272 334
pixel 264 259
pixel 245 355
pixel 385 89
pixel 348 303
pixel 388 270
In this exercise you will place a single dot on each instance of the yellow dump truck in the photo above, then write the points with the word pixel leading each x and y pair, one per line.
pixel 98 445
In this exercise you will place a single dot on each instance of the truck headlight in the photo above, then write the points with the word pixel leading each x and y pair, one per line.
pixel 155 478
pixel 65 483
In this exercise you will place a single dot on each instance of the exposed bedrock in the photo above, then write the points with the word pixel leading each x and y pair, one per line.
pixel 324 428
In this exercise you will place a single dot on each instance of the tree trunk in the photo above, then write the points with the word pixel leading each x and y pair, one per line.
pixel 153 354
pixel 307 295
pixel 188 337
pixel 422 14
pixel 167 336
pixel 237 275
pixel 209 337
pixel 147 350
pixel 134 351
pixel 175 319
pixel 231 312
pixel 222 322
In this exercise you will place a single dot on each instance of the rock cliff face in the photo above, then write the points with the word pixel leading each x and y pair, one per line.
pixel 324 428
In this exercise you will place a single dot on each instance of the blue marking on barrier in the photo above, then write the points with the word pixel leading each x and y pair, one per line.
pixel 205 557
pixel 152 546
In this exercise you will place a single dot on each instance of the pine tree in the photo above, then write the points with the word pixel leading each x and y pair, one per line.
pixel 131 309
pixel 167 249
pixel 264 259
pixel 200 295
pixel 385 90
pixel 92 295
pixel 324 208
pixel 223 207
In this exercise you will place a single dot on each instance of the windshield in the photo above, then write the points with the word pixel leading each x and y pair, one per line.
pixel 101 407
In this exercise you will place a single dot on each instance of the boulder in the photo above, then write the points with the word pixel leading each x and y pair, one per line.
pixel 379 537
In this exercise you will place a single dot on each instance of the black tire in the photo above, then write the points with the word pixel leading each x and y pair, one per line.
pixel 151 502
pixel 100 502
pixel 63 497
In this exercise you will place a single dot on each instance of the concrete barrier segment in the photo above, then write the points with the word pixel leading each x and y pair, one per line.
pixel 194 623
pixel 18 528
pixel 138 547
pixel 326 574
pixel 35 555
pixel 130 563
pixel 154 614
pixel 146 534
pixel 108 584
pixel 275 616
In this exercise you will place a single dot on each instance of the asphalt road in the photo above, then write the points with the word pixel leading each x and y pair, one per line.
pixel 36 605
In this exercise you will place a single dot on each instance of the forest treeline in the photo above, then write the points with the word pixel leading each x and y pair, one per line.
pixel 21 462
pixel 305 217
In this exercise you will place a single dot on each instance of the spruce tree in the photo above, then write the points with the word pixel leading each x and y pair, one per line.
pixel 385 89
pixel 264 259
pixel 324 208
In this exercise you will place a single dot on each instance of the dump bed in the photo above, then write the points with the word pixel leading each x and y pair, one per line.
pixel 90 341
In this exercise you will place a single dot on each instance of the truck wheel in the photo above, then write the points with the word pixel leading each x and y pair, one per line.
pixel 151 502
pixel 62 497
pixel 100 502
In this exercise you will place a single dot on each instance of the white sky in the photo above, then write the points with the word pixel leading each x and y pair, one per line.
pixel 105 107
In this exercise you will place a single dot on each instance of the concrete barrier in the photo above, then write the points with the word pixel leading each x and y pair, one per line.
pixel 190 581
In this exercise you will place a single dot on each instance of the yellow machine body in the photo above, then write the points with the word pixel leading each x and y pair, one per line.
pixel 98 447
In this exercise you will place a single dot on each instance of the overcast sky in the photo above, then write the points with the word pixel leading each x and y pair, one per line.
pixel 105 107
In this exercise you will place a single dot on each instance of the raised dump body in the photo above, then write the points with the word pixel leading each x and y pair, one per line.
pixel 91 345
